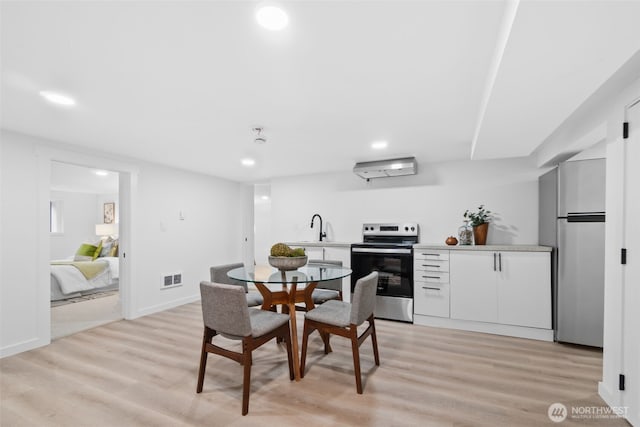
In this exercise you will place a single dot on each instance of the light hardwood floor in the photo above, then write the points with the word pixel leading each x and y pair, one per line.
pixel 72 318
pixel 144 372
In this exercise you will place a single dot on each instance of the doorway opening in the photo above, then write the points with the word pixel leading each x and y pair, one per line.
pixel 84 212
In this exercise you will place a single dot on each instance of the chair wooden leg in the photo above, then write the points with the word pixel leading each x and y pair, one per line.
pixel 374 340
pixel 246 383
pixel 206 338
pixel 287 340
pixel 356 358
pixel 307 330
pixel 325 339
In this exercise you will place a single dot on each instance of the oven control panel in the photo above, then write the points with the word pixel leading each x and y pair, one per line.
pixel 390 229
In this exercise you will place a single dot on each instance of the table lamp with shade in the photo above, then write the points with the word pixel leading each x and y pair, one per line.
pixel 107 230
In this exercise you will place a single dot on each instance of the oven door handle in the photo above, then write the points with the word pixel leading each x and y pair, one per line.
pixel 382 251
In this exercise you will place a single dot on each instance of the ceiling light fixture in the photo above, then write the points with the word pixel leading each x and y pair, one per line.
pixel 248 162
pixel 272 18
pixel 379 145
pixel 259 139
pixel 101 173
pixel 58 98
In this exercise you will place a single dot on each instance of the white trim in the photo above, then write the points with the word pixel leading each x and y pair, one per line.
pixel 166 306
pixel 489 328
pixel 611 398
pixel 23 346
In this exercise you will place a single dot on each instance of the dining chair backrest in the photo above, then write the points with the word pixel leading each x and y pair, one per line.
pixel 364 298
pixel 219 275
pixel 335 284
pixel 224 309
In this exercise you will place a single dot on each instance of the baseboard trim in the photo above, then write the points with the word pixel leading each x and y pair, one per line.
pixel 610 398
pixel 23 346
pixel 165 306
pixel 489 328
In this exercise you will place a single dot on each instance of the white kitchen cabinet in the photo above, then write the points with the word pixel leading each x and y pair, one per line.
pixel 314 252
pixel 474 287
pixel 431 283
pixel 343 254
pixel 524 289
pixel 510 288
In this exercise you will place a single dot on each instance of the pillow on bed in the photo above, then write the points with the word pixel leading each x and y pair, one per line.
pixel 106 247
pixel 88 252
pixel 114 249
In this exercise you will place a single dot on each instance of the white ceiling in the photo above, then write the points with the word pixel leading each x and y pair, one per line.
pixel 182 83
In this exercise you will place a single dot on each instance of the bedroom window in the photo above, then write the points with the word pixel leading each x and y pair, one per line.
pixel 56 224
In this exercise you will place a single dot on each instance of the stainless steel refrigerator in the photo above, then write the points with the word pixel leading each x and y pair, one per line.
pixel 572 216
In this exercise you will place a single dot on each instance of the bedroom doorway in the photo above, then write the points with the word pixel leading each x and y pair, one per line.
pixel 84 213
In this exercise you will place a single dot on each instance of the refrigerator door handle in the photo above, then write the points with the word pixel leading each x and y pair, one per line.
pixel 499 261
pixel 494 261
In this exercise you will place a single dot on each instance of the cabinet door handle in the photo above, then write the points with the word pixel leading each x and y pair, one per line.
pixel 430 265
pixel 494 261
pixel 431 254
pixel 433 289
pixel 431 277
pixel 500 261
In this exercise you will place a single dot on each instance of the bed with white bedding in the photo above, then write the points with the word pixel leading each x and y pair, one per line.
pixel 71 280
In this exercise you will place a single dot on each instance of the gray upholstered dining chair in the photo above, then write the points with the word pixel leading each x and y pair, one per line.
pixel 331 289
pixel 219 275
pixel 225 312
pixel 343 318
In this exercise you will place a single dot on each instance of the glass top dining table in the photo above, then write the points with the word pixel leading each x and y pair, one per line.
pixel 308 274
pixel 288 293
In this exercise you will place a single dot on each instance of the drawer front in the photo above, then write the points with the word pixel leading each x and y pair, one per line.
pixel 431 265
pixel 430 277
pixel 430 300
pixel 432 254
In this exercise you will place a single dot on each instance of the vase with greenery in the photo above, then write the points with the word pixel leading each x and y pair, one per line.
pixel 480 222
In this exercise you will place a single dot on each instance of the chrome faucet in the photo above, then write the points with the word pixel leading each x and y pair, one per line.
pixel 321 233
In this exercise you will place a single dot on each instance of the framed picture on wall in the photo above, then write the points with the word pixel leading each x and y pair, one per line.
pixel 109 212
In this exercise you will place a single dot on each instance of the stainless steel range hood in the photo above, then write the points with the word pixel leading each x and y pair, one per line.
pixel 386 168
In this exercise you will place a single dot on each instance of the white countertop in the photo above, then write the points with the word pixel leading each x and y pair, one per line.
pixel 503 248
pixel 323 244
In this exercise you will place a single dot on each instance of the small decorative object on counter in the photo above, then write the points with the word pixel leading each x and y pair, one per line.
pixel 465 233
pixel 451 241
pixel 480 222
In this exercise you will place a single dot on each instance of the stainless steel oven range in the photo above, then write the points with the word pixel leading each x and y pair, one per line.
pixel 388 249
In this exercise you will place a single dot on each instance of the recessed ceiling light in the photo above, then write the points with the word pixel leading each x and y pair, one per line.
pixel 379 145
pixel 101 173
pixel 58 98
pixel 248 162
pixel 272 18
pixel 265 197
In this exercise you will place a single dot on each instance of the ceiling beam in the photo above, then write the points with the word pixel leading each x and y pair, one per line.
pixel 510 10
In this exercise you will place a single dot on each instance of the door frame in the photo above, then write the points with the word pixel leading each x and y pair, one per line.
pixel 128 186
pixel 629 315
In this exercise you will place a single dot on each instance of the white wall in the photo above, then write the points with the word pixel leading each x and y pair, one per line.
pixel 436 199
pixel 20 320
pixel 210 233
pixel 79 219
